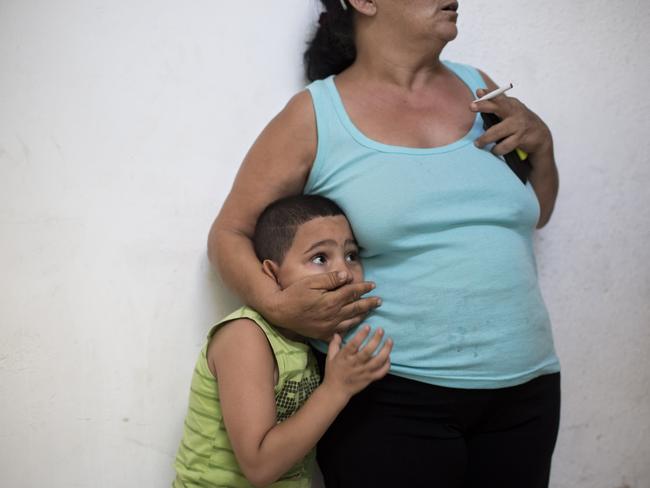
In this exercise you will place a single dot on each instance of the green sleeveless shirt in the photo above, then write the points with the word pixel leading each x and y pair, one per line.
pixel 205 457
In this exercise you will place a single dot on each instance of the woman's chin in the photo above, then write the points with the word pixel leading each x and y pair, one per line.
pixel 447 33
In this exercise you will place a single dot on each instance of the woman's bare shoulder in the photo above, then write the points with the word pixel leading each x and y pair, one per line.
pixel 300 107
pixel 298 118
pixel 290 139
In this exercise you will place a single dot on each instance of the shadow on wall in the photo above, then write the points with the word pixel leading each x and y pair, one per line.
pixel 220 299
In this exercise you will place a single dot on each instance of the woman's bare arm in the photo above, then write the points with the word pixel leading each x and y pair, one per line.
pixel 522 128
pixel 276 166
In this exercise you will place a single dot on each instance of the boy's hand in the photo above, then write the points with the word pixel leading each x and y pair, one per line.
pixel 349 369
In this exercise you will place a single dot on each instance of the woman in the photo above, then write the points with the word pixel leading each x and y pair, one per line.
pixel 446 230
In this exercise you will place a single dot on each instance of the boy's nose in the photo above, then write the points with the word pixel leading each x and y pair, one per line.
pixel 342 265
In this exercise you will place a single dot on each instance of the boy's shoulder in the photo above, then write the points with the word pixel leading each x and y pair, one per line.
pixel 243 315
pixel 238 339
pixel 245 323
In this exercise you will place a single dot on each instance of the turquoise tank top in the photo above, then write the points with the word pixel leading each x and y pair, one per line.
pixel 446 234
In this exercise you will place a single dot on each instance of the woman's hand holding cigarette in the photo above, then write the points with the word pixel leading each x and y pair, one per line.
pixel 519 127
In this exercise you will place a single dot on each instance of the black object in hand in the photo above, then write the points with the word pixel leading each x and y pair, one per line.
pixel 520 167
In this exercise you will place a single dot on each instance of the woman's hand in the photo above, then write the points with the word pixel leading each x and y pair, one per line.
pixel 321 305
pixel 519 127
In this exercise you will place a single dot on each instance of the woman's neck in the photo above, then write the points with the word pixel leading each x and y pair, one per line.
pixel 409 66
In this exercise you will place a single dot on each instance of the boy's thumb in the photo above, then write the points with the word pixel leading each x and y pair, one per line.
pixel 334 346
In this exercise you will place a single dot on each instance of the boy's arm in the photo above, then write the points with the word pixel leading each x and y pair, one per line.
pixel 242 358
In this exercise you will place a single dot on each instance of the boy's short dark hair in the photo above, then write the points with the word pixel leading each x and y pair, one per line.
pixel 277 224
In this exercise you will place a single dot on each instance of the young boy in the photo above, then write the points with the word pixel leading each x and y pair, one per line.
pixel 256 408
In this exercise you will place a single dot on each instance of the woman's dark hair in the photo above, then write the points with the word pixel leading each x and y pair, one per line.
pixel 277 224
pixel 332 48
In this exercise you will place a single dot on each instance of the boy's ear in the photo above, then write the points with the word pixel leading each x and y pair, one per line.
pixel 271 269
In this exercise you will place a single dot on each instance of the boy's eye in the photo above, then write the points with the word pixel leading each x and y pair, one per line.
pixel 352 257
pixel 318 259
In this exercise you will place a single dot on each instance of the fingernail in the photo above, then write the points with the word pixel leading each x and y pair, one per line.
pixel 342 275
pixel 379 302
pixel 372 286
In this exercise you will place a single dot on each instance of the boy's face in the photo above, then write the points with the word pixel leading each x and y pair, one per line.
pixel 320 245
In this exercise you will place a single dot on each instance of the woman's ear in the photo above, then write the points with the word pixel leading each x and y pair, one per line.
pixel 271 269
pixel 366 7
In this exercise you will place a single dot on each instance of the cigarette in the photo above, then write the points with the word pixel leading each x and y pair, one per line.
pixel 495 93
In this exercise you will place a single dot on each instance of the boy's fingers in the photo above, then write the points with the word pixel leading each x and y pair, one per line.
pixel 383 356
pixel 381 372
pixel 368 350
pixel 352 347
pixel 334 346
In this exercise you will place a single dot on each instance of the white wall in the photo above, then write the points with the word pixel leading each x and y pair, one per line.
pixel 122 125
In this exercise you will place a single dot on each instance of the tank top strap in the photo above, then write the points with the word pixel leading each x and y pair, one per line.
pixel 328 125
pixel 468 74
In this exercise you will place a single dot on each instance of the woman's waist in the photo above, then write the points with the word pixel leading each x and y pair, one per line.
pixel 463 357
pixel 466 339
pixel 436 317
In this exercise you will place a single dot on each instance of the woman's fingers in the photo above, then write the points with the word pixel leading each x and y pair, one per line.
pixel 346 306
pixel 496 133
pixel 328 303
pixel 501 105
pixel 338 282
pixel 341 292
pixel 325 281
pixel 490 106
pixel 352 292
pixel 359 308
pixel 347 324
pixel 506 145
pixel 519 126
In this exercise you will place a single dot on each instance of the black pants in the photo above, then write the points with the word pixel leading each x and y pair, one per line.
pixel 404 433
